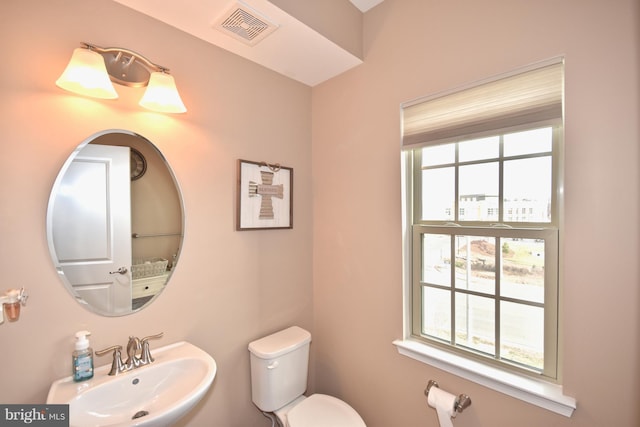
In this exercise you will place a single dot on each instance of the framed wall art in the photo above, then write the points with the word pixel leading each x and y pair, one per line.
pixel 265 196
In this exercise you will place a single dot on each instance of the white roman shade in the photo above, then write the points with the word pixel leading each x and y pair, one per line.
pixel 526 96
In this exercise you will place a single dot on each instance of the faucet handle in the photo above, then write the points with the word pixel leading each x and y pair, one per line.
pixel 116 366
pixel 145 357
pixel 156 336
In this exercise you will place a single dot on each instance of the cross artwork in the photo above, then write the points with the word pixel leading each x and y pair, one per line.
pixel 267 191
pixel 264 196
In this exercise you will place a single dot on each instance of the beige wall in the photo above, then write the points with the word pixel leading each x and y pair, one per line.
pixel 230 287
pixel 418 47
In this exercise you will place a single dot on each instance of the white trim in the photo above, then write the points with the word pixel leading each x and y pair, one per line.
pixel 528 389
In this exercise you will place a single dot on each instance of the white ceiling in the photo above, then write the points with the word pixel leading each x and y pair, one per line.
pixel 293 49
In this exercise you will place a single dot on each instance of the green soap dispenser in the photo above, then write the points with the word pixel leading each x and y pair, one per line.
pixel 82 360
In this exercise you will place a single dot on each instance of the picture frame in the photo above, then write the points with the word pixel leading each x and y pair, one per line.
pixel 265 196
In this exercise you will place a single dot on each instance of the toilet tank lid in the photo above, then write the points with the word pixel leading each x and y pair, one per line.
pixel 280 343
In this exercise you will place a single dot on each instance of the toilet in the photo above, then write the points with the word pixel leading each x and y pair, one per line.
pixel 279 367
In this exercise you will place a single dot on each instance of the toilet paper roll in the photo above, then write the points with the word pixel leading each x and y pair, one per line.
pixel 444 404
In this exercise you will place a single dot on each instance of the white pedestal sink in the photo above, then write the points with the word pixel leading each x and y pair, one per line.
pixel 154 395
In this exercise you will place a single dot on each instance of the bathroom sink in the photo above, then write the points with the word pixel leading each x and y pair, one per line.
pixel 152 395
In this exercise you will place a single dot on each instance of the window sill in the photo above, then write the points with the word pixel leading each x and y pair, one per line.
pixel 531 390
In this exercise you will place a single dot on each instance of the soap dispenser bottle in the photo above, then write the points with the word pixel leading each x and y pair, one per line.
pixel 82 360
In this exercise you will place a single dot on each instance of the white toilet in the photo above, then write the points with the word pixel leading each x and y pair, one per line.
pixel 279 366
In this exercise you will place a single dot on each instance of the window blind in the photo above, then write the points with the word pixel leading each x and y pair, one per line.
pixel 525 96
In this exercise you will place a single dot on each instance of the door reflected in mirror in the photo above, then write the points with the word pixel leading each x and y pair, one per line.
pixel 115 223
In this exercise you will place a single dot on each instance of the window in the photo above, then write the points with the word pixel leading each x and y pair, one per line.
pixel 485 282
pixel 482 201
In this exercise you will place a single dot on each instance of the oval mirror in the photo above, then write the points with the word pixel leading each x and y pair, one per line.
pixel 115 222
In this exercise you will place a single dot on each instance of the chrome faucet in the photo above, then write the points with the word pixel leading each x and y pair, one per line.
pixel 133 346
pixel 133 360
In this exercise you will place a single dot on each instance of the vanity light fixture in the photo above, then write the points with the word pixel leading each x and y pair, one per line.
pixel 162 95
pixel 92 69
pixel 87 75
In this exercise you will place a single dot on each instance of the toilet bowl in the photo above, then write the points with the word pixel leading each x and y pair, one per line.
pixel 279 368
pixel 321 410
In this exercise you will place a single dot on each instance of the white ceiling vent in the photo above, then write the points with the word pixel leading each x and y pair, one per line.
pixel 244 24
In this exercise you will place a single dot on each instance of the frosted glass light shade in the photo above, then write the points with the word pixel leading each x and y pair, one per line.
pixel 86 74
pixel 162 95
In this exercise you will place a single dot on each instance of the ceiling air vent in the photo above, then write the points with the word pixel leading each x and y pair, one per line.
pixel 244 24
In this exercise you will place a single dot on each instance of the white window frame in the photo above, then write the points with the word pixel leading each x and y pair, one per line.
pixel 544 389
pixel 549 235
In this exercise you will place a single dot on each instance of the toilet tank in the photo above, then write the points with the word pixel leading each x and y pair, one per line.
pixel 279 367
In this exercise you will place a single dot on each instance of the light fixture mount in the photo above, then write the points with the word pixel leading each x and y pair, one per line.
pixel 92 71
pixel 126 67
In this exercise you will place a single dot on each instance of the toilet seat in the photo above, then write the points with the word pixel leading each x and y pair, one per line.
pixel 321 410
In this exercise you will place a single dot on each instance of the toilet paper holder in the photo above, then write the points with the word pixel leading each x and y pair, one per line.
pixel 462 401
